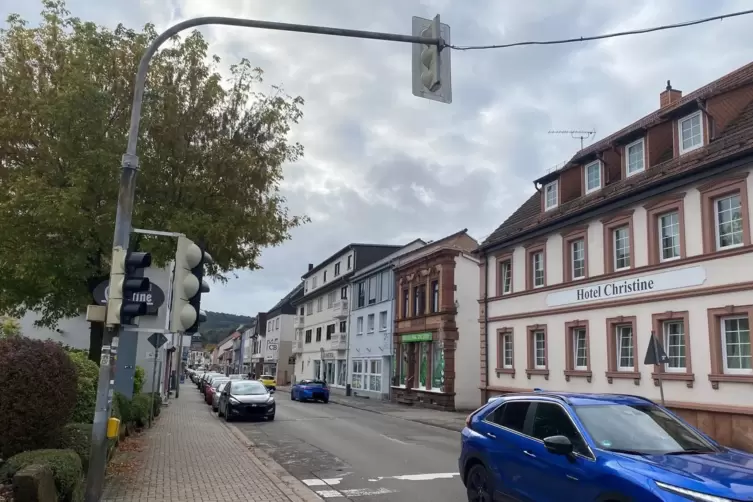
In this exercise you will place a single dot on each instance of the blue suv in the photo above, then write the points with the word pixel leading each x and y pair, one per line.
pixel 546 446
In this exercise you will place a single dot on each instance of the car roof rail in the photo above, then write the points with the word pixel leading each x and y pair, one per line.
pixel 642 398
pixel 539 392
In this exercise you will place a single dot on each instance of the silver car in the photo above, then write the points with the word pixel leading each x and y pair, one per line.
pixel 216 396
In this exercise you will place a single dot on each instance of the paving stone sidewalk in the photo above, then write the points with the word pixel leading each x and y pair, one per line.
pixel 451 420
pixel 191 456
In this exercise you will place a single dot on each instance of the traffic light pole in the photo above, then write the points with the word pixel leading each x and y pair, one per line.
pixel 127 190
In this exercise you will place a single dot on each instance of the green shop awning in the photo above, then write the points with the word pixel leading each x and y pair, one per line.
pixel 416 337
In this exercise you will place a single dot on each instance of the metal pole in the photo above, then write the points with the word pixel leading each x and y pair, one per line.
pixel 96 477
pixel 657 358
pixel 179 361
pixel 154 378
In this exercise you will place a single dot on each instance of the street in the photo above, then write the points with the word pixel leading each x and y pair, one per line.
pixel 344 453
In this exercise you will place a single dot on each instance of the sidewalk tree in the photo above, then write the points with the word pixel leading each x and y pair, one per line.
pixel 210 152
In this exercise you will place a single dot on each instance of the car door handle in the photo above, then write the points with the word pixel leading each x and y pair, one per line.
pixel 529 453
pixel 491 435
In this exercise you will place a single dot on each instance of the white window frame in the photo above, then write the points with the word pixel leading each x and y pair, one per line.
pixel 572 259
pixel 679 131
pixel 661 237
pixel 614 248
pixel 574 334
pixel 383 317
pixel 507 337
pixel 359 326
pixel 357 367
pixel 536 335
pixel 717 235
pixel 601 176
pixel 320 304
pixel 641 142
pixel 370 322
pixel 369 375
pixel 723 340
pixel 506 276
pixel 313 282
pixel 618 346
pixel 665 337
pixel 554 184
pixel 534 269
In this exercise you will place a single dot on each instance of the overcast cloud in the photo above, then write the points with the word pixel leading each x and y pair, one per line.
pixel 382 166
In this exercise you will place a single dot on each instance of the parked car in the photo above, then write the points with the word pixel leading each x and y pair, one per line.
pixel 216 396
pixel 310 390
pixel 268 381
pixel 595 447
pixel 246 399
pixel 208 381
pixel 213 388
pixel 237 376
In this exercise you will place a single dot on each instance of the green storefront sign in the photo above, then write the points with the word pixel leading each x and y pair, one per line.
pixel 416 337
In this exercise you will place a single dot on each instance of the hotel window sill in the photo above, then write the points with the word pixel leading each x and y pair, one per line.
pixel 716 379
pixel 635 376
pixel 679 376
pixel 505 371
pixel 540 372
pixel 588 375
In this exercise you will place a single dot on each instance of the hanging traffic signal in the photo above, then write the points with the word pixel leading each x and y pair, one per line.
pixel 128 290
pixel 188 285
pixel 431 64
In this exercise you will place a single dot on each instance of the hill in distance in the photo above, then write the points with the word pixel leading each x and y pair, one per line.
pixel 219 324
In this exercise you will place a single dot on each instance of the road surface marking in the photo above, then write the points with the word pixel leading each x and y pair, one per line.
pixel 357 492
pixel 419 477
pixel 328 494
pixel 393 439
pixel 322 482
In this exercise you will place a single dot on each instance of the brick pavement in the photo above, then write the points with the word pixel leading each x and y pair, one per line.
pixel 191 456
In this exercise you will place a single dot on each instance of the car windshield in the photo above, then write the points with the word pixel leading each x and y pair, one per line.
pixel 247 388
pixel 314 383
pixel 267 377
pixel 217 382
pixel 643 429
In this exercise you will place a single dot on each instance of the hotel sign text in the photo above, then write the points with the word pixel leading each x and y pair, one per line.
pixel 650 283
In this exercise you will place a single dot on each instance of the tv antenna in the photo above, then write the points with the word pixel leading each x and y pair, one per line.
pixel 581 135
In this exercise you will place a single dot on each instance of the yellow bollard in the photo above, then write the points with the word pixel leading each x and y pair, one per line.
pixel 113 427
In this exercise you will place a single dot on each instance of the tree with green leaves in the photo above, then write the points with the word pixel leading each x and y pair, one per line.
pixel 210 157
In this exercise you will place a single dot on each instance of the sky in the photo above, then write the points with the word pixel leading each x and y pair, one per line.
pixel 383 166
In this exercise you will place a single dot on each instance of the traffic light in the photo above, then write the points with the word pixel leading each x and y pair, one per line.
pixel 129 289
pixel 188 285
pixel 431 64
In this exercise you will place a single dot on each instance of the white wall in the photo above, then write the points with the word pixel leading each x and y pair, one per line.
pixel 318 277
pixel 467 393
pixel 73 331
pixel 304 367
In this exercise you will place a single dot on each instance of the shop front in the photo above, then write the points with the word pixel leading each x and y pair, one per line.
pixel 418 371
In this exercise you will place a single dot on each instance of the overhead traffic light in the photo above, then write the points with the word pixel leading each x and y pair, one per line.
pixel 128 289
pixel 188 285
pixel 431 64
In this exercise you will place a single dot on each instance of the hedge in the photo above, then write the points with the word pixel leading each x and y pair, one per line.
pixel 87 373
pixel 78 437
pixel 65 465
pixel 141 406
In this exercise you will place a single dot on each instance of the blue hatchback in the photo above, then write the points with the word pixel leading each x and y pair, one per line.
pixel 310 390
pixel 545 446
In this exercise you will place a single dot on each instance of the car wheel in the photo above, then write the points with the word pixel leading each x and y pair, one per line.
pixel 219 413
pixel 478 485
pixel 227 415
pixel 214 410
pixel 325 400
pixel 292 396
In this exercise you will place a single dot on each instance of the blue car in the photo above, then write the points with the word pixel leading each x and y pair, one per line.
pixel 310 390
pixel 545 446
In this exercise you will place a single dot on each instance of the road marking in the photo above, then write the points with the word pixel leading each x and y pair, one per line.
pixel 357 492
pixel 393 439
pixel 322 482
pixel 328 494
pixel 420 477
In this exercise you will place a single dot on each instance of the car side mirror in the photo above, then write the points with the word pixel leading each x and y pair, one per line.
pixel 271 391
pixel 559 445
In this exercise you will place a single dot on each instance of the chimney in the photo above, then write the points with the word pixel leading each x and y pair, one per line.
pixel 669 96
pixel 311 267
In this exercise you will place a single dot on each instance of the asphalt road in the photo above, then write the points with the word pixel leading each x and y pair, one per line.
pixel 349 454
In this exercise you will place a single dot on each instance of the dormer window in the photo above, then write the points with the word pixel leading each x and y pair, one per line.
pixel 691 132
pixel 551 197
pixel 635 158
pixel 593 176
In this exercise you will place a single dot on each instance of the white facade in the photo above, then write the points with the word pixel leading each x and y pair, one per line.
pixel 466 319
pixel 277 347
pixel 698 303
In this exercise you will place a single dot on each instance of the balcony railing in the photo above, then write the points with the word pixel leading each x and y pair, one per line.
pixel 341 309
pixel 338 342
pixel 297 346
pixel 299 321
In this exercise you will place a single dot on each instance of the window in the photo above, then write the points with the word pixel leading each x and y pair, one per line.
pixel 384 282
pixel 625 356
pixel 309 308
pixel 306 286
pixel 372 289
pixel 331 297
pixel 308 336
pixel 505 351
pixel 731 359
pixel 621 349
pixel 551 198
pixel 319 304
pixel 552 420
pixel 434 296
pixel 674 345
pixel 423 364
pixel 537 350
pixel 504 277
pixel 319 334
pixel 537 266
pixel 725 213
pixel 419 300
pixel 593 176
pixel 342 370
pixel 356 378
pixel 577 363
pixel 621 247
pixel 317 369
pixel 672 332
pixel 313 282
pixel 577 259
pixel 736 345
pixel 337 269
pixel 344 293
pixel 343 326
pixel 350 262
pixel 666 221
pixel 361 294
pixel 277 323
pixel 437 367
pixel 324 277
pixel 406 304
pixel 580 349
pixel 374 375
pixel 511 415
pixel 330 331
pixel 729 222
pixel 383 321
pixel 359 326
pixel 635 158
pixel 690 132
pixel 370 323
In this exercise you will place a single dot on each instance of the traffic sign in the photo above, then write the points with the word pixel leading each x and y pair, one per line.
pixel 157 340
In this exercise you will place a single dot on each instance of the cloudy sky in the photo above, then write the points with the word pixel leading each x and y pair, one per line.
pixel 382 166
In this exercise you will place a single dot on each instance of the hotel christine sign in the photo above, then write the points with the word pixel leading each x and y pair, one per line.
pixel 620 288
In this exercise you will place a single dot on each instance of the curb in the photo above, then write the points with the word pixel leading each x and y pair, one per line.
pixel 422 422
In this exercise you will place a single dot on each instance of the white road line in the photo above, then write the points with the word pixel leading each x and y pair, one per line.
pixel 328 494
pixel 357 492
pixel 420 477
pixel 322 482
pixel 393 439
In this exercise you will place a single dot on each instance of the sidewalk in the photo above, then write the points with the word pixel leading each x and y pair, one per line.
pixel 451 420
pixel 191 456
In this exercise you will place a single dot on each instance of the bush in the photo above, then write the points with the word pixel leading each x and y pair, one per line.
pixel 122 408
pixel 139 377
pixel 140 408
pixel 156 403
pixel 87 376
pixel 65 465
pixel 78 437
pixel 39 394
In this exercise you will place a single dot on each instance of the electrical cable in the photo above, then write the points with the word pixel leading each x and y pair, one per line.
pixel 601 37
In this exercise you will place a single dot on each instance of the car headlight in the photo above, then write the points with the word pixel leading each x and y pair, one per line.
pixel 690 494
pixel 271 400
pixel 234 401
